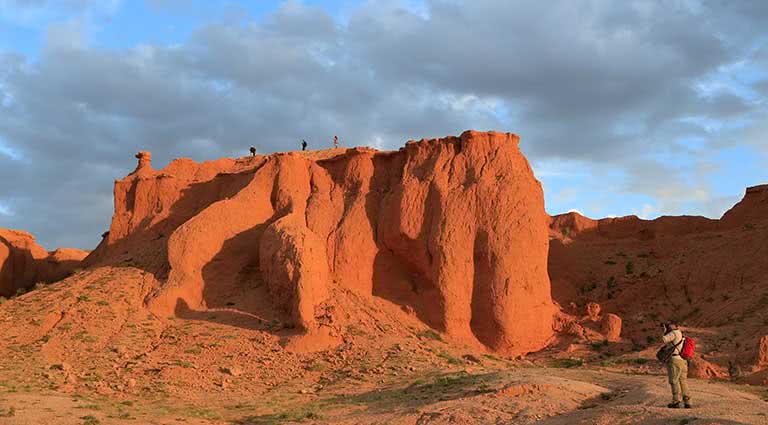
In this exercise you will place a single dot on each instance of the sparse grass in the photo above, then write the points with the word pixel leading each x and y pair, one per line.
pixel 202 413
pixel 194 350
pixel 610 262
pixel 317 366
pixel 90 420
pixel 588 287
pixel 451 360
pixel 431 334
pixel 89 407
pixel 629 268
pixel 183 363
pixel 566 363
pixel 355 330
pixel 298 415
pixel 420 392
pixel 636 361
pixel 83 298
pixel 102 302
pixel 7 413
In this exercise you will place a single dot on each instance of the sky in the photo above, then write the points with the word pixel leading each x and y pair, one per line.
pixel 623 107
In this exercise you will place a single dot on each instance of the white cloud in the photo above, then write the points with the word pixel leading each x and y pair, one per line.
pixel 586 109
pixel 5 210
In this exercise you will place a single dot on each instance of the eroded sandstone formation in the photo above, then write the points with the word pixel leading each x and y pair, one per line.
pixel 451 229
pixel 24 263
pixel 710 275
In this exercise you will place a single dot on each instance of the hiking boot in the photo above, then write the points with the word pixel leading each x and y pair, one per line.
pixel 675 405
pixel 687 405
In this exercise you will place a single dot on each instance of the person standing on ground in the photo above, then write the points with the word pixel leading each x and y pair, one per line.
pixel 677 367
pixel 303 144
pixel 253 151
pixel 335 142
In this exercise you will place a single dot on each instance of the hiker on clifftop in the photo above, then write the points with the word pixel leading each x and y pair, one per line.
pixel 677 366
pixel 335 142
pixel 253 151
pixel 303 144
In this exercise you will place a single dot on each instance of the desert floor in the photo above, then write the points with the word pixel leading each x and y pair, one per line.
pixel 466 395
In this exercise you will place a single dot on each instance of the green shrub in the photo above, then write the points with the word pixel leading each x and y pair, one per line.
pixel 566 363
pixel 431 334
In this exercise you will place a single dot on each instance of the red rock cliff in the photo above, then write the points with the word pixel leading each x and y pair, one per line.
pixel 451 228
pixel 24 263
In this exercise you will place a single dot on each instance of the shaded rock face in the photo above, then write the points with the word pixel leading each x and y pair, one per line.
pixel 709 275
pixel 451 229
pixel 295 265
pixel 24 263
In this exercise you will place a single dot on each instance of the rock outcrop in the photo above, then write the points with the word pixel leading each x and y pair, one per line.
pixel 761 361
pixel 453 230
pixel 703 369
pixel 24 263
pixel 592 311
pixel 611 327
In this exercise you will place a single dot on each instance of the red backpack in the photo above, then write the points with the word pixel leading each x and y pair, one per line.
pixel 689 348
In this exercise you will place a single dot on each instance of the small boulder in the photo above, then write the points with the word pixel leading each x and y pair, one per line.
pixel 611 327
pixel 593 311
pixel 232 370
pixel 702 369
pixel 471 358
pixel 65 367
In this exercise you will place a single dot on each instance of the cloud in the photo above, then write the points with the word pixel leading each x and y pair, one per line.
pixel 592 87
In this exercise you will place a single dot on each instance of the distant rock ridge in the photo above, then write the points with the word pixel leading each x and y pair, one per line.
pixel 751 209
pixel 452 229
pixel 24 263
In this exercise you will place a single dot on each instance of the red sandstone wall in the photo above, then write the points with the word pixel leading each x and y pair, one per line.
pixel 453 228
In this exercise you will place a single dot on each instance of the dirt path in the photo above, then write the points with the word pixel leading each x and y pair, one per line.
pixel 642 400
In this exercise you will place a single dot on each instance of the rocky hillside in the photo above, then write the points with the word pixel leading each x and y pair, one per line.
pixel 712 275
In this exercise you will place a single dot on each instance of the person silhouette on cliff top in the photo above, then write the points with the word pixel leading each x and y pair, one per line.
pixel 335 142
pixel 303 144
pixel 253 151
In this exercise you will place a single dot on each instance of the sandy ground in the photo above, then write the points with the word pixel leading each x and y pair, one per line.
pixel 518 395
